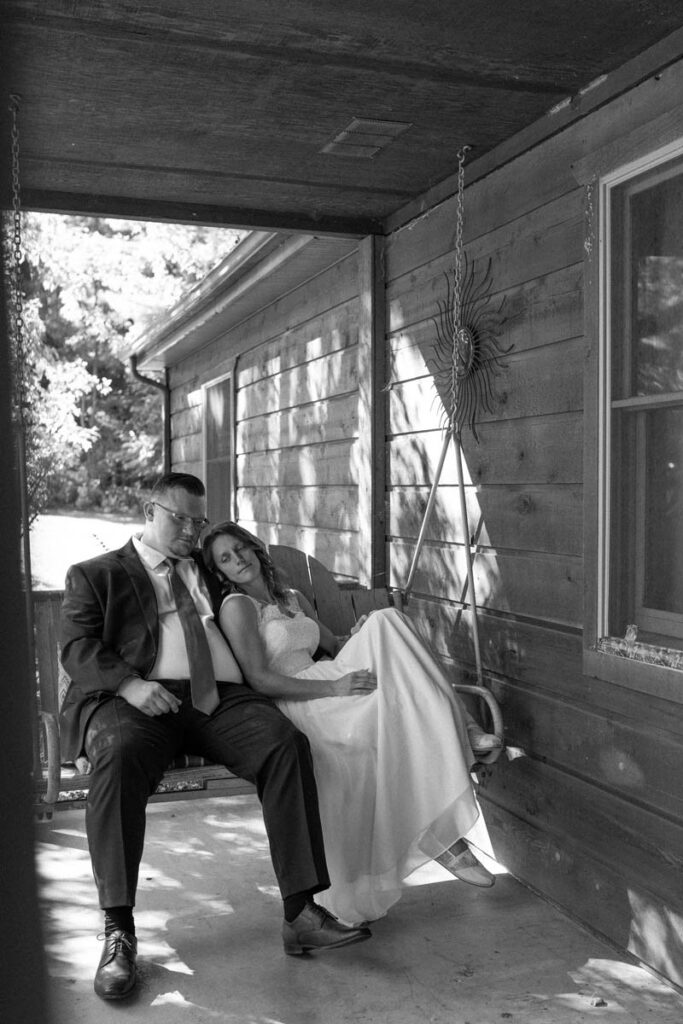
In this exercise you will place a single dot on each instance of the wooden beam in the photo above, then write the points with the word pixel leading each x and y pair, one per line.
pixel 371 413
pixel 131 208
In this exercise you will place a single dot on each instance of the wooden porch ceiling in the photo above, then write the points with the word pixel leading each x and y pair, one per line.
pixel 222 111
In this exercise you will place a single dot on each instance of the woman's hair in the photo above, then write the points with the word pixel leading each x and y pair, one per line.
pixel 271 573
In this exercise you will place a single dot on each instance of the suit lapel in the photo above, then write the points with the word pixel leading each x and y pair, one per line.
pixel 142 585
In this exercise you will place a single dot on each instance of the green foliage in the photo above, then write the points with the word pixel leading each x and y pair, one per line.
pixel 92 431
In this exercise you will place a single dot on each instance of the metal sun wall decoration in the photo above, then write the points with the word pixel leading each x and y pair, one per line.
pixel 467 354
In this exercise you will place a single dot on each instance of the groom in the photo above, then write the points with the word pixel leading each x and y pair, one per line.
pixel 152 677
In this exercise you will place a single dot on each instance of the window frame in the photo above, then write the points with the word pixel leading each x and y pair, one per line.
pixel 206 387
pixel 631 671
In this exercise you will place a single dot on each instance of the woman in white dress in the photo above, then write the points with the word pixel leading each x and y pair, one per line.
pixel 390 744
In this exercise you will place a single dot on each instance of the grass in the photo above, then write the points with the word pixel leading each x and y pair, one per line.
pixel 60 538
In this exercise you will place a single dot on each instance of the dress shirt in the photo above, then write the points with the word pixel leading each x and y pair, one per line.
pixel 171 662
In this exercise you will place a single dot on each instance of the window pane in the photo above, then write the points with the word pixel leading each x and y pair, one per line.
pixel 663 524
pixel 656 218
pixel 218 451
pixel 218 419
pixel 645 540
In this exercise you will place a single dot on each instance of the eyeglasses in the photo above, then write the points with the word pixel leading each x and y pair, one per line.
pixel 183 520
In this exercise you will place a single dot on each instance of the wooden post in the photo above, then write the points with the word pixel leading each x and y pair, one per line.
pixel 371 444
pixel 22 966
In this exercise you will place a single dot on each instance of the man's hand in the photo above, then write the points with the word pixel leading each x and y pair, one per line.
pixel 148 696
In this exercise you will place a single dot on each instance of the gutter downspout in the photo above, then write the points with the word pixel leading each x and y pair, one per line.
pixel 165 409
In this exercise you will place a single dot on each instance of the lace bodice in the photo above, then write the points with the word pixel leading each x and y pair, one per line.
pixel 289 640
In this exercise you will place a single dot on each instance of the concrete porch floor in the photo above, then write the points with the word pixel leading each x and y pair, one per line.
pixel 208 923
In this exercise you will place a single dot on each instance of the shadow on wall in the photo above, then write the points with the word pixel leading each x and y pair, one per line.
pixel 298 481
pixel 656 935
pixel 523 489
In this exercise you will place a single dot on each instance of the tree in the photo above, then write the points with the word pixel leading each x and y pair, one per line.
pixel 93 432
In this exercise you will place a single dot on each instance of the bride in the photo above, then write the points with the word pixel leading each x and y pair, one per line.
pixel 391 749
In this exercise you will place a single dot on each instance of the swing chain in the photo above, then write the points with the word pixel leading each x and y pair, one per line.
pixel 461 337
pixel 15 261
pixel 459 217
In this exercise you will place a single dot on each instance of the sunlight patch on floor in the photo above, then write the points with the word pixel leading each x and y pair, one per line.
pixel 165 956
pixel 75 952
pixel 269 890
pixel 183 849
pixel 62 864
pixel 211 904
pixel 176 1000
pixel 171 999
pixel 158 878
pixel 252 824
pixel 78 833
pixel 629 987
pixel 581 1002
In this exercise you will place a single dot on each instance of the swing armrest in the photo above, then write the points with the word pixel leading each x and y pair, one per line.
pixel 53 761
pixel 496 718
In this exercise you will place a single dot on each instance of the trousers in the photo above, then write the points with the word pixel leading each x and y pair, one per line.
pixel 129 752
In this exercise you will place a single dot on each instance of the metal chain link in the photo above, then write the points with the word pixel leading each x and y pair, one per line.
pixel 456 370
pixel 15 261
pixel 457 272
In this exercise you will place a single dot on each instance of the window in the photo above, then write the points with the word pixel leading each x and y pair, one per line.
pixel 641 414
pixel 218 448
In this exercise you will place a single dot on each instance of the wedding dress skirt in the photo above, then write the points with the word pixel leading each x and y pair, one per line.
pixel 392 767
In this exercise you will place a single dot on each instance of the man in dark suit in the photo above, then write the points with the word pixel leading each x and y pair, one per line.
pixel 135 702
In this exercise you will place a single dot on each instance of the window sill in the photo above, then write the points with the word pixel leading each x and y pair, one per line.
pixel 651 654
pixel 641 667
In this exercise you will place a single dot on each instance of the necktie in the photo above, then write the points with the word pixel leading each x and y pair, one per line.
pixel 202 679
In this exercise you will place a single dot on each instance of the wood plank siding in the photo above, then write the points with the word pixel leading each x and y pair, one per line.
pixel 592 816
pixel 295 367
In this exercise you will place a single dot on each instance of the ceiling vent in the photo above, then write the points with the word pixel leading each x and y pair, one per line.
pixel 365 137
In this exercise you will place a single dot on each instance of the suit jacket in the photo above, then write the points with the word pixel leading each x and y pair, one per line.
pixel 109 631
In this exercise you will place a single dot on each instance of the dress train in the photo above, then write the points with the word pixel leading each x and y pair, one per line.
pixel 392 767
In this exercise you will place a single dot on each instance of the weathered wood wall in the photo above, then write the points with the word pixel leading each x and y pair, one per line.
pixel 593 815
pixel 296 381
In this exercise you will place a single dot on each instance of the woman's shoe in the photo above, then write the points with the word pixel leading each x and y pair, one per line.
pixel 480 741
pixel 462 863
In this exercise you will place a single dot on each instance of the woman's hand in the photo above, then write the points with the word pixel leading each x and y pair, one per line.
pixel 357 625
pixel 362 681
